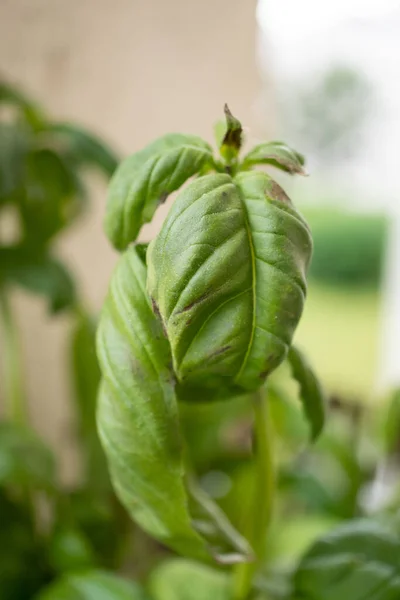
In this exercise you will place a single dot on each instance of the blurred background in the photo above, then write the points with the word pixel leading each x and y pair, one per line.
pixel 322 77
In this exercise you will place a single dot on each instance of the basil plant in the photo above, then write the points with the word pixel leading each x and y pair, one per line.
pixel 206 312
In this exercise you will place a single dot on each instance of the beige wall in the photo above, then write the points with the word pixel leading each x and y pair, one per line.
pixel 131 70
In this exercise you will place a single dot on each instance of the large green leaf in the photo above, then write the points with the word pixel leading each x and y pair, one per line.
pixel 82 147
pixel 139 426
pixel 276 154
pixel 182 579
pixel 227 278
pixel 145 179
pixel 357 561
pixel 24 458
pixel 37 272
pixel 92 585
pixel 311 392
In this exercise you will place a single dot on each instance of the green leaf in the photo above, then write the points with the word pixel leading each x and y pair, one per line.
pixel 83 148
pixel 182 579
pixel 23 567
pixel 39 273
pixel 24 458
pixel 276 154
pixel 69 550
pixel 145 179
pixel 92 585
pixel 139 425
pixel 12 96
pixel 51 200
pixel 14 144
pixel 359 560
pixel 232 140
pixel 311 392
pixel 227 278
pixel 86 379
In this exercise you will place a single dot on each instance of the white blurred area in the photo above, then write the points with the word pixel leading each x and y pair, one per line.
pixel 299 41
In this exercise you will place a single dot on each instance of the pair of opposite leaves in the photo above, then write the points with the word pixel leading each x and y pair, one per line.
pixel 207 314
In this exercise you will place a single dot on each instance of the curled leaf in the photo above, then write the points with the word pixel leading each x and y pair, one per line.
pixel 139 427
pixel 276 154
pixel 145 179
pixel 232 140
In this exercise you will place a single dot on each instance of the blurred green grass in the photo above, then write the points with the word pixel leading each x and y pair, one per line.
pixel 340 332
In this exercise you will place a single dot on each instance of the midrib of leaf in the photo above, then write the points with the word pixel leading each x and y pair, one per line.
pixel 253 269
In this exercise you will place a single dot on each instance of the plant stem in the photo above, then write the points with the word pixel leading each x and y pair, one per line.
pixel 12 377
pixel 264 487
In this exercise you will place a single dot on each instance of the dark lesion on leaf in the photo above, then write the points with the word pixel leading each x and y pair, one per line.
pixel 219 351
pixel 162 198
pixel 157 313
pixel 275 192
pixel 233 135
pixel 195 302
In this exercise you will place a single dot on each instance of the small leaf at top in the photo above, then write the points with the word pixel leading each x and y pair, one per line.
pixel 232 140
pixel 276 154
pixel 144 180
pixel 311 392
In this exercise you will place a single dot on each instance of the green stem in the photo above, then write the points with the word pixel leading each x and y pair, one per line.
pixel 264 487
pixel 12 377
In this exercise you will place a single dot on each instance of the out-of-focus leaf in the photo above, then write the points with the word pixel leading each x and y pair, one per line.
pixel 92 585
pixel 276 154
pixel 23 568
pixel 69 550
pixel 311 393
pixel 51 200
pixel 139 424
pixel 14 143
pixel 86 379
pixel 103 522
pixel 182 579
pixel 39 273
pixel 11 95
pixel 359 560
pixel 83 148
pixel 227 278
pixel 145 179
pixel 24 458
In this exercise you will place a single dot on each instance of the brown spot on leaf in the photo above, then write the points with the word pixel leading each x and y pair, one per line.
pixel 219 351
pixel 277 193
pixel 162 198
pixel 195 302
pixel 157 313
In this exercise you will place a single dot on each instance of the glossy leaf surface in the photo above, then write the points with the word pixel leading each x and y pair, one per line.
pixel 227 278
pixel 139 425
pixel 357 561
pixel 145 179
pixel 311 393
